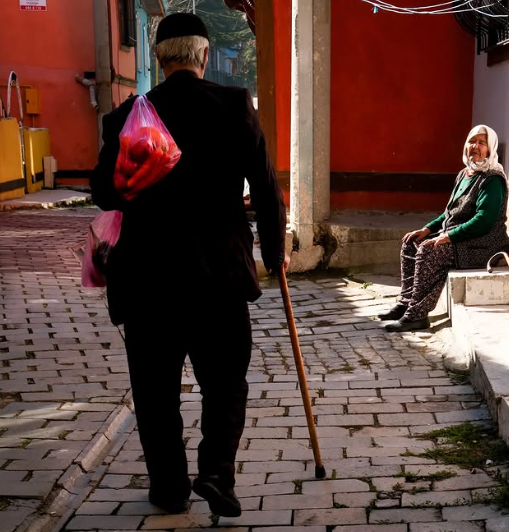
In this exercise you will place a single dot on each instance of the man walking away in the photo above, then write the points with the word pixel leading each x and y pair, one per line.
pixel 181 275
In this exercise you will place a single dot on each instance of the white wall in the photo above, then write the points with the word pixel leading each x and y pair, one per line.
pixel 491 99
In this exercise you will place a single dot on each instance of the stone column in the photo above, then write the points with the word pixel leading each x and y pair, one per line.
pixel 310 145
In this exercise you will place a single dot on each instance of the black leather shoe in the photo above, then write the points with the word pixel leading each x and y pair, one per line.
pixel 395 313
pixel 404 324
pixel 170 506
pixel 222 500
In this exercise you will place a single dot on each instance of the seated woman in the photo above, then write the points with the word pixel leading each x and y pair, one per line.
pixel 470 230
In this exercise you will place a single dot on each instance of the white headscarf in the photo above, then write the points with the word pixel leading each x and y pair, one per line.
pixel 491 162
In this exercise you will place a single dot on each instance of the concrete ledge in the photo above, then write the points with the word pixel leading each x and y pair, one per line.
pixel 478 306
pixel 369 241
pixel 478 287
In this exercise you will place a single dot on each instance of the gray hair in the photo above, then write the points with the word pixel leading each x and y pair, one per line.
pixel 188 50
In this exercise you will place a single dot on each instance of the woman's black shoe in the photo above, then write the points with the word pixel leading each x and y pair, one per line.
pixel 405 324
pixel 395 313
pixel 168 505
pixel 222 500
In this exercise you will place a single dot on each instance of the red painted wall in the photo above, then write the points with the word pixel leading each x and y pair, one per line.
pixel 46 50
pixel 401 94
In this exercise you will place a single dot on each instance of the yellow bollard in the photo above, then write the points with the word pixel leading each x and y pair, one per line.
pixel 12 179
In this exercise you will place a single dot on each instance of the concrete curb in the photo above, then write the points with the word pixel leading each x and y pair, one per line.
pixel 488 366
pixel 86 471
pixel 46 199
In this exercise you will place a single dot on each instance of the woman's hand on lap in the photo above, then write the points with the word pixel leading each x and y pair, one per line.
pixel 438 241
pixel 416 235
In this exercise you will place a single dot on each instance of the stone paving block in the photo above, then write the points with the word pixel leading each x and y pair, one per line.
pixel 43 464
pixel 276 488
pixel 380 432
pixel 37 489
pixel 13 516
pixel 470 513
pixel 440 498
pixel 99 508
pixel 273 467
pixel 402 442
pixel 433 407
pixel 248 504
pixel 334 486
pixel 16 427
pixel 499 524
pixel 48 396
pixel 345 441
pixel 405 419
pixel 371 528
pixel 362 471
pixel 330 517
pixel 128 468
pixel 478 480
pixel 405 515
pixel 250 479
pixel 289 477
pixel 22 454
pixel 296 501
pixel 143 508
pixel 125 495
pixel 104 522
pixel 375 408
pixel 259 518
pixel 347 420
pixel 458 389
pixel 355 400
pixel 288 529
pixel 430 469
pixel 393 383
pixel 295 421
pixel 334 453
pixel 323 432
pixel 354 500
pixel 115 481
pixel 374 451
pixel 425 382
pixel 258 456
pixel 406 391
pixel 463 415
pixel 448 526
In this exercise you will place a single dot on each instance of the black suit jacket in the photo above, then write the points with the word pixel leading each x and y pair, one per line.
pixel 190 230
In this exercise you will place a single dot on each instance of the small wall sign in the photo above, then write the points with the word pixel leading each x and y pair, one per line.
pixel 33 5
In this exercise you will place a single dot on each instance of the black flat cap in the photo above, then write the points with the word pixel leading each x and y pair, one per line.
pixel 180 25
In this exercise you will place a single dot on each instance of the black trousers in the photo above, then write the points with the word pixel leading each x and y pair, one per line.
pixel 216 334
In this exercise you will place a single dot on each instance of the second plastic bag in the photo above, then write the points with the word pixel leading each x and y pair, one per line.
pixel 103 234
pixel 147 150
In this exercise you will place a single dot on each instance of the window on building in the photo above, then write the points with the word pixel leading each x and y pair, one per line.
pixel 489 23
pixel 126 20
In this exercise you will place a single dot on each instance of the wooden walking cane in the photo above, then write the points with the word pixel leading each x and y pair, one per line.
pixel 303 385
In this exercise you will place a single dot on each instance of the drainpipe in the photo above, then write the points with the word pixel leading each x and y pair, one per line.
pixel 102 61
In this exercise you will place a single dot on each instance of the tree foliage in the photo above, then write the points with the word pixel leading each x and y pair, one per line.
pixel 228 29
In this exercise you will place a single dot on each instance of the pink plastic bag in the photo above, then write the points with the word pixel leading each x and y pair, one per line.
pixel 103 234
pixel 147 150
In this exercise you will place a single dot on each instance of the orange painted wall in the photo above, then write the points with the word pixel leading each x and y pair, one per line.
pixel 123 61
pixel 401 94
pixel 46 50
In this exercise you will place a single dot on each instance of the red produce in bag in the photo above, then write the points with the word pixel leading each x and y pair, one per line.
pixel 103 234
pixel 147 150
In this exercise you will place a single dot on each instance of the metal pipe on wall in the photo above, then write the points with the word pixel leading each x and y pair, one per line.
pixel 102 61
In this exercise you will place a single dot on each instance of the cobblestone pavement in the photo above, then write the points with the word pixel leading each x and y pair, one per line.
pixel 70 457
